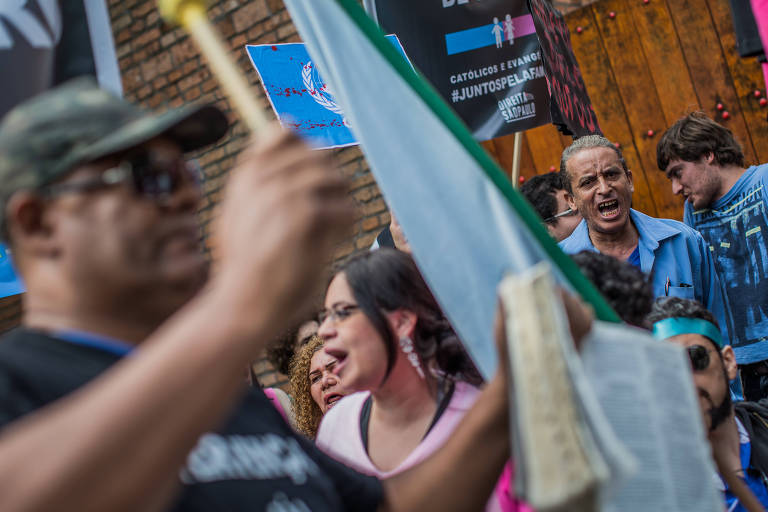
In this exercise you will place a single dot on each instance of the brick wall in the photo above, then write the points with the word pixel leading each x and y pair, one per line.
pixel 161 68
pixel 10 312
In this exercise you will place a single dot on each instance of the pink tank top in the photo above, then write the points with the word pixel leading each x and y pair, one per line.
pixel 339 436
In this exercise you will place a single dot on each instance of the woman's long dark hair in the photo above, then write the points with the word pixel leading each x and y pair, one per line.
pixel 385 280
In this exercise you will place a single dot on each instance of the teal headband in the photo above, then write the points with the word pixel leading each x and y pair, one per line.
pixel 669 327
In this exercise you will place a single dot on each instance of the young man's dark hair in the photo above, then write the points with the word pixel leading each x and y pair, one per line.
pixel 623 285
pixel 540 191
pixel 695 136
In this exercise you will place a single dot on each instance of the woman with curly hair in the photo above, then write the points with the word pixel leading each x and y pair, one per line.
pixel 314 386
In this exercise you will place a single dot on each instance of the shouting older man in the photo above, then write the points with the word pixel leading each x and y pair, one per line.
pixel 600 187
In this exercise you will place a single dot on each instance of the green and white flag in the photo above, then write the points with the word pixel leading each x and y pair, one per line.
pixel 467 227
pixel 466 224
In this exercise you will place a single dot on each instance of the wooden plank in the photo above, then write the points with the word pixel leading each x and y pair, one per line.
pixel 747 77
pixel 490 147
pixel 664 58
pixel 565 140
pixel 505 148
pixel 707 66
pixel 546 147
pixel 502 149
pixel 527 166
pixel 635 87
pixel 601 85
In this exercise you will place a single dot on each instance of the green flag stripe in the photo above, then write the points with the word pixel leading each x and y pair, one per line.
pixel 444 112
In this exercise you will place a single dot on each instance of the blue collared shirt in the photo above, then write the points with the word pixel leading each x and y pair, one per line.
pixel 674 255
pixel 97 341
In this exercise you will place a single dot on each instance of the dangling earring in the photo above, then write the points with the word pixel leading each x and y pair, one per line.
pixel 406 344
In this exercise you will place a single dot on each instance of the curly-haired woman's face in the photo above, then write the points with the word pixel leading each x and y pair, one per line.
pixel 351 338
pixel 324 385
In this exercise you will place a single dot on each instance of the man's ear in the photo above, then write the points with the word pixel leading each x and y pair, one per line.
pixel 570 200
pixel 729 360
pixel 709 158
pixel 631 181
pixel 27 225
pixel 403 322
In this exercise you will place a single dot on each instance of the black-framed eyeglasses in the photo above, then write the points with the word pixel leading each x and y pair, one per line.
pixel 699 356
pixel 150 177
pixel 566 213
pixel 337 313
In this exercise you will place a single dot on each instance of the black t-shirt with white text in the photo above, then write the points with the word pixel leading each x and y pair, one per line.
pixel 254 463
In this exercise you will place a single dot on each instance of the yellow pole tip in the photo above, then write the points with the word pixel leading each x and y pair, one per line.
pixel 173 10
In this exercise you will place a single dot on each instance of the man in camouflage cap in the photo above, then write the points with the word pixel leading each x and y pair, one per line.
pixel 108 248
pixel 100 209
pixel 77 123
pixel 77 148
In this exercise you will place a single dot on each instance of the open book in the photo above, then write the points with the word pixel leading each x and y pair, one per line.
pixel 594 432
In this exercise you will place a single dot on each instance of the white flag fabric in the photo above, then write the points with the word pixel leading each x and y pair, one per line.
pixel 454 204
pixel 467 226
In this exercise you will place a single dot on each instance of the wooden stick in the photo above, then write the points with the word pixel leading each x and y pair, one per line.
pixel 192 16
pixel 517 150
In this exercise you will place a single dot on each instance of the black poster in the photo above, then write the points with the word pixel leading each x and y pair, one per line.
pixel 483 57
pixel 572 110
pixel 46 42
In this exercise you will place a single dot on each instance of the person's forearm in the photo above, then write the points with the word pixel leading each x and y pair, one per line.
pixel 117 443
pixel 743 494
pixel 462 474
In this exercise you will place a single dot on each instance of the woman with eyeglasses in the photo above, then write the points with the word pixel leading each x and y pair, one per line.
pixel 315 386
pixel 412 380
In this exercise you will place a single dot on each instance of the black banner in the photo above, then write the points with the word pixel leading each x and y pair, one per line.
pixel 482 56
pixel 572 110
pixel 44 43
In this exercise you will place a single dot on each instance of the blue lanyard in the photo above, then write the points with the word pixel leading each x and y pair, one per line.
pixel 113 346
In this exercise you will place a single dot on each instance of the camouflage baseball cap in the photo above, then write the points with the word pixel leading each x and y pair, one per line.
pixel 49 135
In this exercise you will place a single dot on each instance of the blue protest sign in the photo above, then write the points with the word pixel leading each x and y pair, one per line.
pixel 10 282
pixel 299 96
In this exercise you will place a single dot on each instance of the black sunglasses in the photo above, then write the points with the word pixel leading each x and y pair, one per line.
pixel 699 356
pixel 149 176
